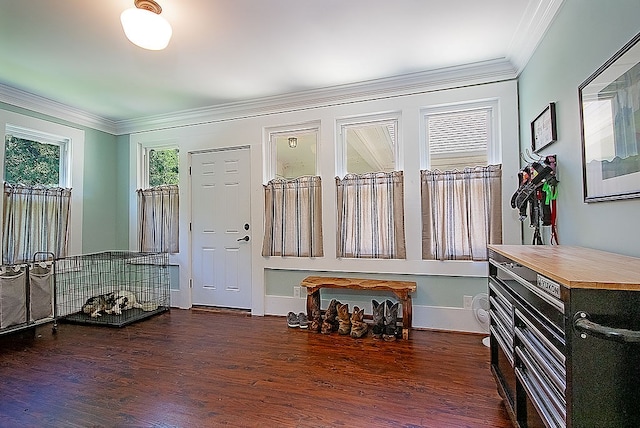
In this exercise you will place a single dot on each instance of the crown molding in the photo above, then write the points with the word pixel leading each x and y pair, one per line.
pixel 402 85
pixel 531 29
pixel 42 105
pixel 396 86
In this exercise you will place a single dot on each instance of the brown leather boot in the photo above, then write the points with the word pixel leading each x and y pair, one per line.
pixel 344 319
pixel 358 326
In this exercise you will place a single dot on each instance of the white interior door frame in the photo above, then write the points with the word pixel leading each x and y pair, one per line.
pixel 220 223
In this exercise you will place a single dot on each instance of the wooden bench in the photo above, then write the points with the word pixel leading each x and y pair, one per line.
pixel 401 289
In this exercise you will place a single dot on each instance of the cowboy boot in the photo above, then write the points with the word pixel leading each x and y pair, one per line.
pixel 378 319
pixel 358 326
pixel 330 321
pixel 344 319
pixel 316 321
pixel 390 321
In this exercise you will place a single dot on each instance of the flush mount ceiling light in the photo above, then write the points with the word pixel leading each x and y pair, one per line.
pixel 293 142
pixel 144 26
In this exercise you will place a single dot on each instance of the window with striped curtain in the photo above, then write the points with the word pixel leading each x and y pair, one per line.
pixel 293 217
pixel 158 219
pixel 35 219
pixel 371 215
pixel 461 195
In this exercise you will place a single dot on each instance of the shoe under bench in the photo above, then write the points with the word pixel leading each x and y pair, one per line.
pixel 401 289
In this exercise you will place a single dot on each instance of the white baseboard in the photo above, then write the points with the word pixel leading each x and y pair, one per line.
pixel 428 317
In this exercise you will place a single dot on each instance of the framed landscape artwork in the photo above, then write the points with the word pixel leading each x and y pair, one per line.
pixel 610 127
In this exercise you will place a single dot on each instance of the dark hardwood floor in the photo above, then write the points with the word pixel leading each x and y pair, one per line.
pixel 204 369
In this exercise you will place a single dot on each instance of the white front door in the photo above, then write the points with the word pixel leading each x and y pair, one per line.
pixel 221 232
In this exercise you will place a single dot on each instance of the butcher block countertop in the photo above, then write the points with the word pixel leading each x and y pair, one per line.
pixel 577 267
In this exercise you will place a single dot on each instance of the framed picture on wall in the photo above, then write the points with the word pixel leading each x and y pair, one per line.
pixel 610 127
pixel 543 128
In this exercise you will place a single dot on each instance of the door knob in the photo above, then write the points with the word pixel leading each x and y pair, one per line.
pixel 246 238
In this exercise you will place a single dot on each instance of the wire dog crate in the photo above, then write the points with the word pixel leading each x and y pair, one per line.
pixel 112 288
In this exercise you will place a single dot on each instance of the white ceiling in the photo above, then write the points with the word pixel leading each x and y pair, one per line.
pixel 74 52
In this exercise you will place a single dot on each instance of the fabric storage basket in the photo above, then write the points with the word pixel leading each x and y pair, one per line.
pixel 41 292
pixel 13 299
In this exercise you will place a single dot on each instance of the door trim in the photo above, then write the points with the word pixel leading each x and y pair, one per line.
pixel 190 153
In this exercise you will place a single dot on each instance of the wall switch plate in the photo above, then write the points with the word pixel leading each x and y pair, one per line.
pixel 296 291
pixel 467 302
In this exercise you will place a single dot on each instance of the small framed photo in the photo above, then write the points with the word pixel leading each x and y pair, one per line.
pixel 543 128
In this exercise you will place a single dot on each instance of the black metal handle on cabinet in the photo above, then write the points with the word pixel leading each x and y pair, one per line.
pixel 583 325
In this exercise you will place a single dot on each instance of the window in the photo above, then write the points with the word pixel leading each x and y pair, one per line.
pixel 370 196
pixel 159 201
pixel 293 153
pixel 46 155
pixel 459 137
pixel 368 145
pixel 293 193
pixel 36 205
pixel 162 166
pixel 461 193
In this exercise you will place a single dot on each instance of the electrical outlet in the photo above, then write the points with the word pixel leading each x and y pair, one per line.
pixel 467 301
pixel 296 291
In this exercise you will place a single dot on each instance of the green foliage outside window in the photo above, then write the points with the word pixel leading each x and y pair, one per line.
pixel 30 162
pixel 163 167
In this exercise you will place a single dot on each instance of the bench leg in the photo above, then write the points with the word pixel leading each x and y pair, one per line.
pixel 407 311
pixel 407 314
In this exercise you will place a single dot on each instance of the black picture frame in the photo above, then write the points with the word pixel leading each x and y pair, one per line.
pixel 543 128
pixel 610 127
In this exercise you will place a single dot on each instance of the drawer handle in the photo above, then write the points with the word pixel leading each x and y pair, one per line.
pixel 586 327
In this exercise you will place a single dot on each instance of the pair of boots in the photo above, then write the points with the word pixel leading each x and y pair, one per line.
pixel 358 326
pixel 350 324
pixel 385 320
pixel 330 321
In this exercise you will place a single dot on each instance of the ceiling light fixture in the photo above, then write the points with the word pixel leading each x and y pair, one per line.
pixel 293 142
pixel 144 26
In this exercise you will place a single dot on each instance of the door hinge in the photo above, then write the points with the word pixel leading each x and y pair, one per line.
pixel 189 226
pixel 189 170
pixel 190 283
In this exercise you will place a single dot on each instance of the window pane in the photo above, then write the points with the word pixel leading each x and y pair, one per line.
pixel 458 140
pixel 30 162
pixel 370 147
pixel 297 157
pixel 163 167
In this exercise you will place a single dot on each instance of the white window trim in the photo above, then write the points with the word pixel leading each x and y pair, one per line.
pixel 75 169
pixel 269 145
pixel 494 146
pixel 372 119
pixel 45 138
pixel 143 159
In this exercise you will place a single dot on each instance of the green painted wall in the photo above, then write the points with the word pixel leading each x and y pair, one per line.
pixel 100 191
pixel 583 36
pixel 432 290
pixel 122 196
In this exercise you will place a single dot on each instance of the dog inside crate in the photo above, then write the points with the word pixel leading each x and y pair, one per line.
pixel 112 288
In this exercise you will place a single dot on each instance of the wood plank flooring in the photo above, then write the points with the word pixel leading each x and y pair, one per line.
pixel 190 368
